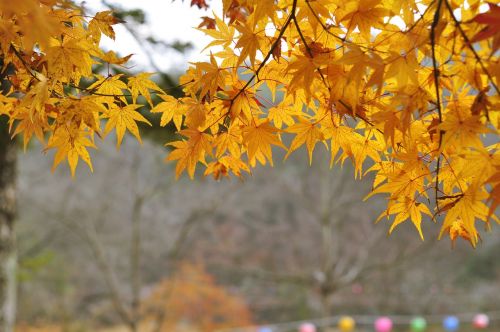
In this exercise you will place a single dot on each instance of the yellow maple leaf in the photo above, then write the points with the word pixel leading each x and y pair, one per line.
pixel 111 58
pixel 355 146
pixel 462 130
pixel 405 209
pixel 69 58
pixel 189 153
pixel 29 125
pixel 306 133
pixel 404 182
pixel 222 166
pixel 109 88
pixel 171 109
pixel 249 42
pixel 228 141
pixel 84 113
pixel 102 23
pixel 258 139
pixel 222 35
pixel 282 114
pixel 303 74
pixel 123 119
pixel 196 113
pixel 494 196
pixel 213 77
pixel 403 69
pixel 71 144
pixel 339 138
pixel 38 96
pixel 363 14
pixel 466 209
pixel 242 103
pixel 140 85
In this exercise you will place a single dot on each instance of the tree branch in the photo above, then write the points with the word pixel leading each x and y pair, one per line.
pixel 434 25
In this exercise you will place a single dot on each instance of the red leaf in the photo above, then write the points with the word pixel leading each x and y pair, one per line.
pixel 200 3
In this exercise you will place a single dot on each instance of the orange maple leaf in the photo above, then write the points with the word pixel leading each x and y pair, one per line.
pixel 492 29
pixel 457 229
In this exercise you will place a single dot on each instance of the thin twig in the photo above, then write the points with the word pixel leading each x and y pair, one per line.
pixel 25 64
pixel 268 55
pixel 469 45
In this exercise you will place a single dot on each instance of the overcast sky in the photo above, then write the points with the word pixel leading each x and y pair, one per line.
pixel 168 21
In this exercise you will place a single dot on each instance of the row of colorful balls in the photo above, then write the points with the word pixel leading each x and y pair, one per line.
pixel 385 324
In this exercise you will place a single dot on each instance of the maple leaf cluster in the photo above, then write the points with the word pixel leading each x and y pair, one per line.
pixel 406 90
pixel 49 50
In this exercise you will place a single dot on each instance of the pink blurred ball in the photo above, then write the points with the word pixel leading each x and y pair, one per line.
pixel 357 289
pixel 480 321
pixel 383 324
pixel 307 327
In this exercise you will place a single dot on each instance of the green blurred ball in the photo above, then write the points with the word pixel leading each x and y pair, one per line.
pixel 418 324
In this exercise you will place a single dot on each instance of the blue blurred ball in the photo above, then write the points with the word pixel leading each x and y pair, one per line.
pixel 265 329
pixel 451 323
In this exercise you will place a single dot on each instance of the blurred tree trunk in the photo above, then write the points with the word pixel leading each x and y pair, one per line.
pixel 8 213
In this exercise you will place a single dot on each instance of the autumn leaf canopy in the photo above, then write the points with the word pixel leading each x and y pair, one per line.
pixel 406 90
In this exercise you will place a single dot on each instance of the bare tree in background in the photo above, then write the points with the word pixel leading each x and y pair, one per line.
pixel 125 210
pixel 317 237
pixel 8 215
